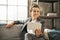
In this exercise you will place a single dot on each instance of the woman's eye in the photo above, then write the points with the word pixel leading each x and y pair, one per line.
pixel 35 11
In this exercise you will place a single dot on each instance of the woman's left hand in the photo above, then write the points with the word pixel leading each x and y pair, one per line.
pixel 38 32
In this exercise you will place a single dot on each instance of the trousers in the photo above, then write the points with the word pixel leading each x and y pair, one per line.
pixel 29 36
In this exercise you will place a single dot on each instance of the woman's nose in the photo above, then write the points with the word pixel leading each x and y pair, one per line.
pixel 36 12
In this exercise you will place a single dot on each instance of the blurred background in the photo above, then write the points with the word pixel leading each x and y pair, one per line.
pixel 12 10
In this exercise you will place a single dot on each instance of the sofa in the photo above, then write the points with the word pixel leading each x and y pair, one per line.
pixel 13 33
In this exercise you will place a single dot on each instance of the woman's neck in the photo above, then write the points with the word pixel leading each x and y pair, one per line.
pixel 34 19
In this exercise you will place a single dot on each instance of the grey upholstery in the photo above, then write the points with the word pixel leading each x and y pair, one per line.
pixel 12 33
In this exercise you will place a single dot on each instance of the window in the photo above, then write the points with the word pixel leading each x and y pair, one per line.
pixel 12 13
pixel 3 2
pixel 22 13
pixel 11 10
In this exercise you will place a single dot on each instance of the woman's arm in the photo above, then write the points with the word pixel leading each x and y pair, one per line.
pixel 10 24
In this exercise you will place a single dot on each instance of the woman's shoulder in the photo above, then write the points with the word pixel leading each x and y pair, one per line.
pixel 41 20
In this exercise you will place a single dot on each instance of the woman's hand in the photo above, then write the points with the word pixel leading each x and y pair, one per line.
pixel 10 24
pixel 38 32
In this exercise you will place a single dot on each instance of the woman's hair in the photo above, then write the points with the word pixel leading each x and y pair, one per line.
pixel 34 5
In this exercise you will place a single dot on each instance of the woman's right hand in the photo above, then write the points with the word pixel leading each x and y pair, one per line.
pixel 10 24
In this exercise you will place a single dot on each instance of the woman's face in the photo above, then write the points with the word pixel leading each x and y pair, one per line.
pixel 35 13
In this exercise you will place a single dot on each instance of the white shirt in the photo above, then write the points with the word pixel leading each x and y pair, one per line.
pixel 32 26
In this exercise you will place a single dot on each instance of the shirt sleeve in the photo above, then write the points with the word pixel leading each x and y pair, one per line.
pixel 20 22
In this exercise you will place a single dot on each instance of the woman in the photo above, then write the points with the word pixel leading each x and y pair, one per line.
pixel 34 13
